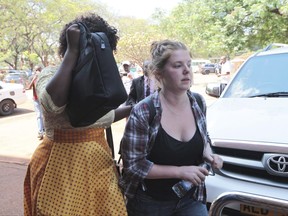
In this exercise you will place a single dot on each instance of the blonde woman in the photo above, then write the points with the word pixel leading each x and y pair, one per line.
pixel 158 154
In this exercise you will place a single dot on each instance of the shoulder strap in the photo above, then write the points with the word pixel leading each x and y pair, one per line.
pixel 199 101
pixel 85 28
pixel 152 110
pixel 109 138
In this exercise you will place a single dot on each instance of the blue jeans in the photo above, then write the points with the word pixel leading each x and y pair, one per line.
pixel 39 116
pixel 144 205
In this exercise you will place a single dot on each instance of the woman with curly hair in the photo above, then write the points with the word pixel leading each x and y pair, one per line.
pixel 72 171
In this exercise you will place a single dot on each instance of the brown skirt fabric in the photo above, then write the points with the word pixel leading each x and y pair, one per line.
pixel 73 175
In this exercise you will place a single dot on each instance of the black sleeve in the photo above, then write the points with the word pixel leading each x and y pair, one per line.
pixel 131 100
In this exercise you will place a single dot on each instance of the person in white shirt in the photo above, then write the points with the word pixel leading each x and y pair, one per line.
pixel 225 66
pixel 226 69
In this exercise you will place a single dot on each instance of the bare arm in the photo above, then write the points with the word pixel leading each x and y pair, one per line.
pixel 122 112
pixel 32 82
pixel 58 87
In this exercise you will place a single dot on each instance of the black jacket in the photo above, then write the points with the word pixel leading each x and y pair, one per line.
pixel 136 91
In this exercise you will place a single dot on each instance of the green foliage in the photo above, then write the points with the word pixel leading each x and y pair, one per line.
pixel 212 28
pixel 30 28
pixel 136 36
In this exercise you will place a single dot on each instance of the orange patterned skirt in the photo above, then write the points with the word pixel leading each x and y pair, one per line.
pixel 73 175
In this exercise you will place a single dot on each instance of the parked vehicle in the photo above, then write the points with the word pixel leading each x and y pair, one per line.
pixel 208 68
pixel 11 95
pixel 15 76
pixel 248 128
pixel 197 64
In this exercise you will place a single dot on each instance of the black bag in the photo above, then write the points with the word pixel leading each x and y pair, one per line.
pixel 96 87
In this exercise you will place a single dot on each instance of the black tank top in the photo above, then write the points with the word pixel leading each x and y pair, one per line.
pixel 169 151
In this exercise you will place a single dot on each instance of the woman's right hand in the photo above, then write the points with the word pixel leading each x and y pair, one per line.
pixel 73 38
pixel 193 174
pixel 59 86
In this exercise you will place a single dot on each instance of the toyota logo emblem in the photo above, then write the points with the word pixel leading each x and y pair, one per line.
pixel 276 164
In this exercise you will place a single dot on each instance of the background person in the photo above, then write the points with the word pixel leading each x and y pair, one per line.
pixel 158 155
pixel 126 76
pixel 37 105
pixel 226 69
pixel 72 171
pixel 126 66
pixel 142 86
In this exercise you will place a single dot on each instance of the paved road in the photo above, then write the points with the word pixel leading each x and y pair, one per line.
pixel 18 140
pixel 11 187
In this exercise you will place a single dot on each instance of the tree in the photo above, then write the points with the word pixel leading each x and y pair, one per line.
pixel 192 23
pixel 136 36
pixel 212 27
pixel 31 28
pixel 12 43
pixel 254 24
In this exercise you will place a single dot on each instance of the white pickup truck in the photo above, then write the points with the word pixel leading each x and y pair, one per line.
pixel 248 126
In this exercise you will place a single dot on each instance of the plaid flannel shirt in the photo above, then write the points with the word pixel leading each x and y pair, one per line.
pixel 138 140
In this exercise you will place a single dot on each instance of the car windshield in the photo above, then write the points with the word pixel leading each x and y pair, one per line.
pixel 261 76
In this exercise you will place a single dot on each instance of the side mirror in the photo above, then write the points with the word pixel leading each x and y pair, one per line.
pixel 214 89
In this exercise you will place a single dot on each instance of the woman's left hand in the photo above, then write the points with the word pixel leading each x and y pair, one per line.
pixel 217 162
